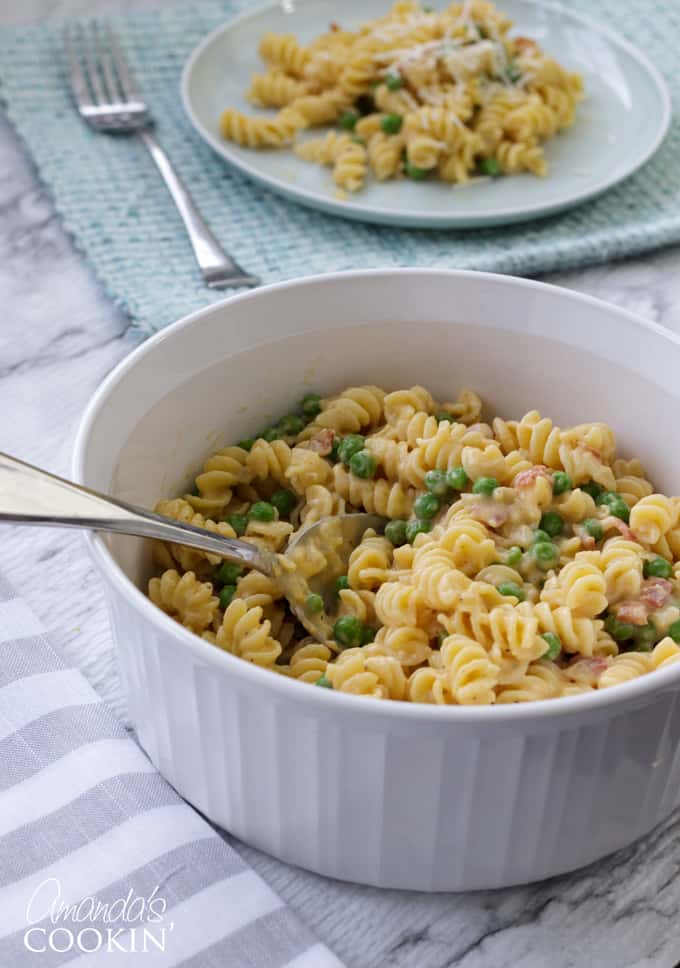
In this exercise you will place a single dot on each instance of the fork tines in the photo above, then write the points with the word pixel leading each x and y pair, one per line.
pixel 103 86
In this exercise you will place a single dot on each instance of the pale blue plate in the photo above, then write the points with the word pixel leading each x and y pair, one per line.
pixel 619 126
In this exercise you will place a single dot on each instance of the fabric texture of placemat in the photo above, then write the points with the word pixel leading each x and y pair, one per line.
pixel 99 855
pixel 115 205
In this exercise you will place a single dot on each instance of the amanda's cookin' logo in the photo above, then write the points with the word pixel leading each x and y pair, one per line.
pixel 132 924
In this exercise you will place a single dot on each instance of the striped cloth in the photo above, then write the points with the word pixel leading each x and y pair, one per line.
pixel 99 857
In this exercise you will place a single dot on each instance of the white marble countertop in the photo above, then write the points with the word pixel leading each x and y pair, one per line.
pixel 59 336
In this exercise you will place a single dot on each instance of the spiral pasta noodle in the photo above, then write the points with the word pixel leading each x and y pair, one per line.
pixel 541 681
pixel 269 460
pixel 471 673
pixel 185 598
pixel 351 411
pixel 245 633
pixel 284 52
pixel 369 562
pixel 274 89
pixel 652 517
pixel 309 662
pixel 379 497
pixel 349 168
pixel 624 668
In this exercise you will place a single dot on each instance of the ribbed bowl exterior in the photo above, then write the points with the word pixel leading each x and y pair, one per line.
pixel 385 793
pixel 417 805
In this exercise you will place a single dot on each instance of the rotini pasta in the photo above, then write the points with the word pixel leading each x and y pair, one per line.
pixel 520 561
pixel 413 93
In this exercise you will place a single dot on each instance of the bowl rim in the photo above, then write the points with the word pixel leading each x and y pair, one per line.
pixel 283 686
pixel 421 219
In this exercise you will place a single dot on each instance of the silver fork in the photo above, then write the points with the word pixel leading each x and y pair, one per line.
pixel 108 98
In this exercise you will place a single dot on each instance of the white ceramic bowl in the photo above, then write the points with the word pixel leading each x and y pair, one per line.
pixel 385 793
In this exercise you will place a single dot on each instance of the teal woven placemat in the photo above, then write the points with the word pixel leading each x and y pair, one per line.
pixel 113 202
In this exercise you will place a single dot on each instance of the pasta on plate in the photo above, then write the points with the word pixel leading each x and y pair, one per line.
pixel 412 94
pixel 521 561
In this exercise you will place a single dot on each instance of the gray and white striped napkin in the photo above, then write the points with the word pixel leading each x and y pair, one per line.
pixel 101 862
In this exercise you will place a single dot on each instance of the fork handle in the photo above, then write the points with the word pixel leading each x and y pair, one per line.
pixel 219 270
pixel 29 495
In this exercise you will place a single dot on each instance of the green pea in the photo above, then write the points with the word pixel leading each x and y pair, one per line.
pixel 513 556
pixel 428 9
pixel 341 583
pixel 363 464
pixel 540 536
pixel 552 523
pixel 348 631
pixel 394 82
pixel 615 503
pixel 239 523
pixel 368 635
pixel 415 173
pixel 619 631
pixel 246 444
pixel 561 482
pixel 485 485
pixel 457 478
pixel 644 637
pixel 674 631
pixel 311 405
pixel 262 511
pixel 228 573
pixel 314 604
pixel 324 682
pixel 284 501
pixel 490 166
pixel 443 415
pixel 334 455
pixel 554 645
pixel 657 568
pixel 348 120
pixel 594 528
pixel 545 553
pixel 395 532
pixel 349 446
pixel 592 488
pixel 436 483
pixel 414 528
pixel 426 506
pixel 391 123
pixel 291 425
pixel 271 433
pixel 619 508
pixel 511 588
pixel 312 411
pixel 226 595
pixel 513 73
